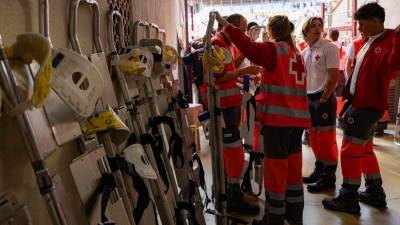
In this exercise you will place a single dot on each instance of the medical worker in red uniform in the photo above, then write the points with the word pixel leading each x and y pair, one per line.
pixel 322 63
pixel 283 112
pixel 230 100
pixel 367 90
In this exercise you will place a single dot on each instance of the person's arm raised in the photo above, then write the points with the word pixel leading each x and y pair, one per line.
pixel 262 54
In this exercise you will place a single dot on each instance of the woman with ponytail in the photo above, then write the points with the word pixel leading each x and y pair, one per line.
pixel 283 112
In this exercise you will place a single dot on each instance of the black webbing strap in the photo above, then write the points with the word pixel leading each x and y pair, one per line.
pixel 105 187
pixel 178 215
pixel 164 120
pixel 157 57
pixel 176 150
pixel 201 170
pixel 175 141
pixel 191 209
pixel 143 195
pixel 143 198
pixel 181 100
pixel 246 184
pixel 196 157
pixel 156 146
pixel 258 157
pixel 115 163
pixel 108 185
pixel 138 183
pixel 251 102
pixel 255 158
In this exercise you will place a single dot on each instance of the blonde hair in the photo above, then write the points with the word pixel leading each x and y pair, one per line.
pixel 279 29
pixel 307 25
pixel 266 36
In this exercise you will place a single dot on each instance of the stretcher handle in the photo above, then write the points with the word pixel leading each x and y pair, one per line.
pixel 136 25
pixel 44 18
pixel 73 23
pixel 110 33
pixel 148 30
pixel 164 33
pixel 156 27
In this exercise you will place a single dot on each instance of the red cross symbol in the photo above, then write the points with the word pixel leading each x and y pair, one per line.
pixel 317 58
pixel 297 69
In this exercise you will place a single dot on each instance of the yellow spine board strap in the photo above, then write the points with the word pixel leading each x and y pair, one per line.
pixel 35 47
pixel 135 61
pixel 108 121
pixel 155 46
pixel 216 62
pixel 169 58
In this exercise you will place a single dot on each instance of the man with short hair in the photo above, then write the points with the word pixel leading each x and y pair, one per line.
pixel 333 34
pixel 322 63
pixel 367 91
pixel 229 99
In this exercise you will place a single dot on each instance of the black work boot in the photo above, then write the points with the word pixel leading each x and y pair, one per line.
pixel 294 213
pixel 375 197
pixel 326 182
pixel 236 203
pixel 346 201
pixel 316 175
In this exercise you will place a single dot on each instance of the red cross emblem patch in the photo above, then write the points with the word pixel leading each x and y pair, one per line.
pixel 296 68
pixel 317 58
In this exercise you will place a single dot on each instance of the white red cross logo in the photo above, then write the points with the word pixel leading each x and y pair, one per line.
pixel 296 68
pixel 317 57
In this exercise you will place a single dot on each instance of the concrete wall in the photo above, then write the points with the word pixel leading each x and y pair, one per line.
pixel 20 16
pixel 165 13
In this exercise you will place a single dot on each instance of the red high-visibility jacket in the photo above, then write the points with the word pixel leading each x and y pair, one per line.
pixel 228 92
pixel 282 100
pixel 377 69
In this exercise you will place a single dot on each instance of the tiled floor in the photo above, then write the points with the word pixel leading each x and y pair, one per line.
pixel 314 214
